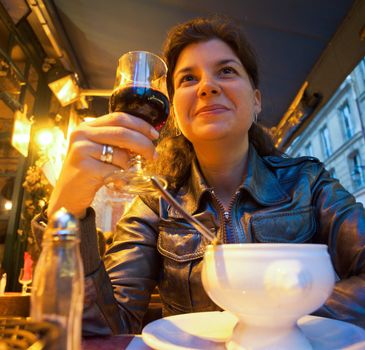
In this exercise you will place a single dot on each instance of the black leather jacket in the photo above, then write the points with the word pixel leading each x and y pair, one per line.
pixel 281 200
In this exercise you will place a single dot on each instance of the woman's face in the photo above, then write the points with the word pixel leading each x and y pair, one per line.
pixel 214 98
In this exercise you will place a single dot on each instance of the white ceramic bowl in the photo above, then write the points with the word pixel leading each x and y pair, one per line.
pixel 268 287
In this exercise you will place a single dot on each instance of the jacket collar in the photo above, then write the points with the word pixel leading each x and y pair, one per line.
pixel 260 182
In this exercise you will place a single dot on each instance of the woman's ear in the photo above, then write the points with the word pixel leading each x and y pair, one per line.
pixel 257 101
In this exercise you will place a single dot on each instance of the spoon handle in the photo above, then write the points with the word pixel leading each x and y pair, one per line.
pixel 194 222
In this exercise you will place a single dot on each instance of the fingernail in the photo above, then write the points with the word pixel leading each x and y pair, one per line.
pixel 154 133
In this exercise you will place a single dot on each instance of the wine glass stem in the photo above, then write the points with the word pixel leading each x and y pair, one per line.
pixel 136 163
pixel 24 288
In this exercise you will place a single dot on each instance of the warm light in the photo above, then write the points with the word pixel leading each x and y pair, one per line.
pixel 53 147
pixel 21 132
pixel 88 119
pixel 8 205
pixel 65 89
pixel 44 138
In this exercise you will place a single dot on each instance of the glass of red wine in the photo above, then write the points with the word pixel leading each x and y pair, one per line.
pixel 139 90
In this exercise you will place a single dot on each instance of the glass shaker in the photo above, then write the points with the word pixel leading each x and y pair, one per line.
pixel 58 285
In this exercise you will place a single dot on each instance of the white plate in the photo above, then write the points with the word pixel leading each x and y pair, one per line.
pixel 209 330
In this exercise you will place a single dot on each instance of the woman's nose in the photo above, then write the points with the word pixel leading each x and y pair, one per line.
pixel 208 87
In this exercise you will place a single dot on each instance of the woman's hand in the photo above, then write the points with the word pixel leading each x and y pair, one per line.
pixel 83 172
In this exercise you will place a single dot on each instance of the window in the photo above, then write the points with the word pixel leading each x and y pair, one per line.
pixel 345 113
pixel 362 65
pixel 357 170
pixel 326 143
pixel 308 149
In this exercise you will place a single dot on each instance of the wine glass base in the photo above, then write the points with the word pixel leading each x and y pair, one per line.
pixel 124 182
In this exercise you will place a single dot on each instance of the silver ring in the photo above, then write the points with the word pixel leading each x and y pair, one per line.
pixel 107 154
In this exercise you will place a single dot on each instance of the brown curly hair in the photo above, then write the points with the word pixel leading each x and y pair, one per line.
pixel 176 152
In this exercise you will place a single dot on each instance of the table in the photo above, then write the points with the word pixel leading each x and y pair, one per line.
pixel 117 342
pixel 14 304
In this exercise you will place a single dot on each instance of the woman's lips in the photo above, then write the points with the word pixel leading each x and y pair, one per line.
pixel 212 109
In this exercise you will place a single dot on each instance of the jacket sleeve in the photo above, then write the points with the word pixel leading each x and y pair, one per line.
pixel 121 287
pixel 118 287
pixel 342 227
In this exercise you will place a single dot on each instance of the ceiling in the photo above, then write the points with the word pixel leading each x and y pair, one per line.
pixel 294 39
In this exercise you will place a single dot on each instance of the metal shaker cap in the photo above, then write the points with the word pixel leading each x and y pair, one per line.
pixel 62 224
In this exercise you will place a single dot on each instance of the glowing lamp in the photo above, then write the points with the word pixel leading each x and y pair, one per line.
pixel 44 138
pixel 65 89
pixel 8 205
pixel 21 132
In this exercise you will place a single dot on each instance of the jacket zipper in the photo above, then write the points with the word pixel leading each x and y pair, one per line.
pixel 226 215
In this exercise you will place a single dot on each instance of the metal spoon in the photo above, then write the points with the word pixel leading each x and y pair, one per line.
pixel 194 222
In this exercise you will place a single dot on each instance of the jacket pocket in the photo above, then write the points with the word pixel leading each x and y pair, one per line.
pixel 180 286
pixel 181 244
pixel 293 226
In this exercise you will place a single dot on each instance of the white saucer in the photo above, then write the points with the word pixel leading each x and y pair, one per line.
pixel 209 330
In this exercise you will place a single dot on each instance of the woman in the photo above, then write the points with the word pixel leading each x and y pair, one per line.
pixel 224 170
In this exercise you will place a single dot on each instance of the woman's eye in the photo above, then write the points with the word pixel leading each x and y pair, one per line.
pixel 186 78
pixel 228 71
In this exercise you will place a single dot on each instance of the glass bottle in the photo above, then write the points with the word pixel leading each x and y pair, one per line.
pixel 58 284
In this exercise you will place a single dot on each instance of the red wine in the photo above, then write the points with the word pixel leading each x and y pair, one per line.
pixel 143 102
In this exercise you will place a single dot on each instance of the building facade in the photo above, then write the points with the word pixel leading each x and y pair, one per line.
pixel 336 135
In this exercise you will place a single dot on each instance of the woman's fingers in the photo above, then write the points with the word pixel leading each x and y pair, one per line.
pixel 120 157
pixel 84 150
pixel 125 120
pixel 119 130
pixel 118 137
